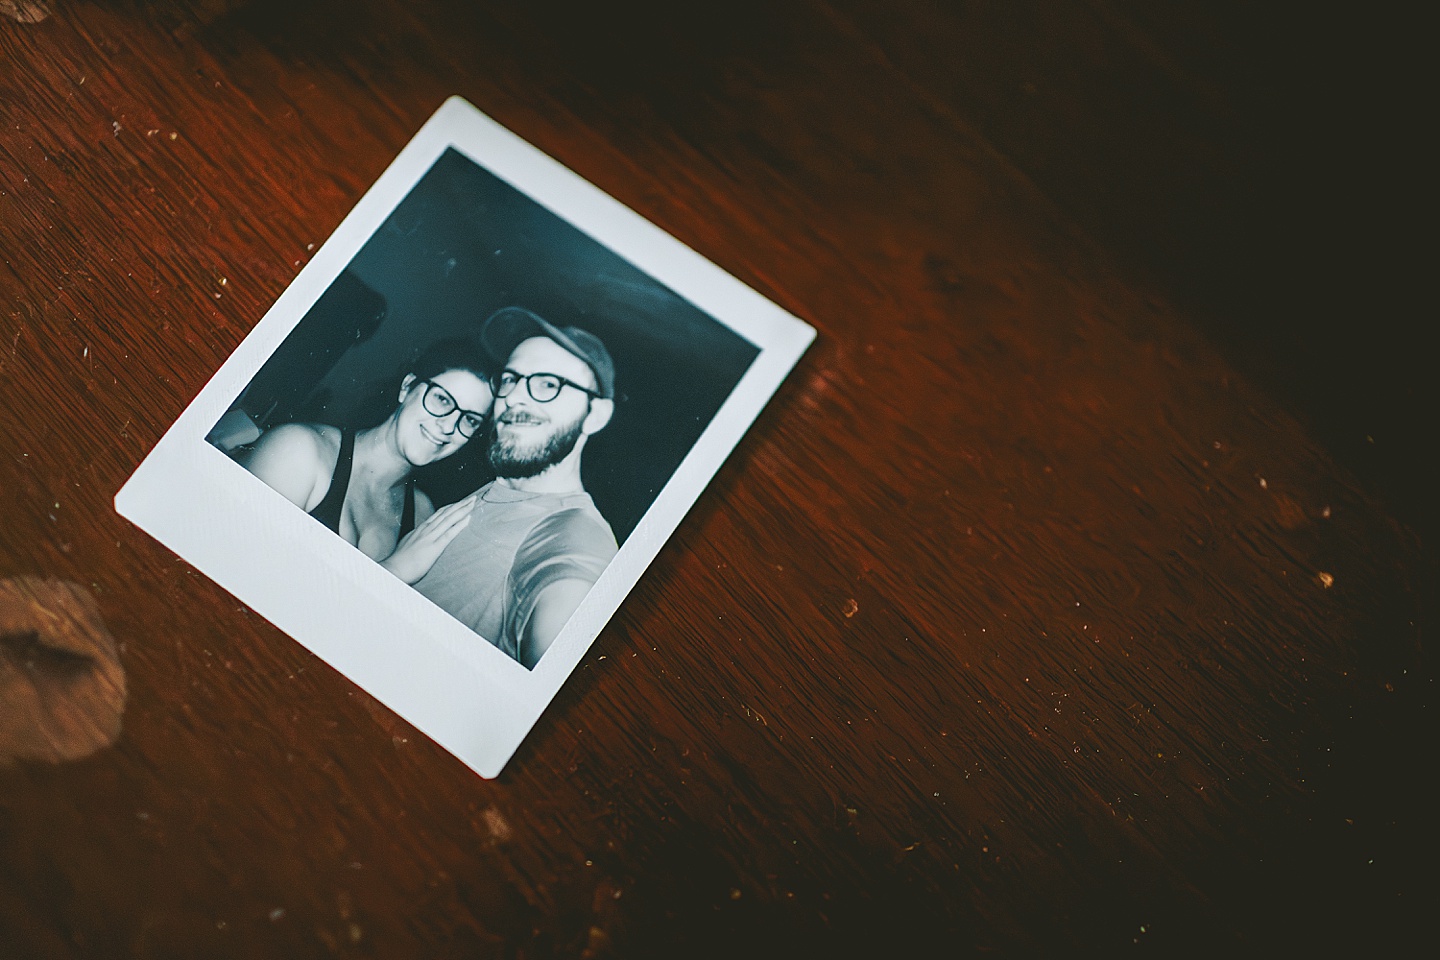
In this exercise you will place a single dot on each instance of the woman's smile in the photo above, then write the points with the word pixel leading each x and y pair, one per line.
pixel 434 436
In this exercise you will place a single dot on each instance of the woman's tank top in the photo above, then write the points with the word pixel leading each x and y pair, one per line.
pixel 327 511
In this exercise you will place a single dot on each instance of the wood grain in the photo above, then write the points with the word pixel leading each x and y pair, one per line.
pixel 1021 622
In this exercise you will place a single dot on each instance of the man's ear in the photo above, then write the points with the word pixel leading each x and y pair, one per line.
pixel 405 386
pixel 601 410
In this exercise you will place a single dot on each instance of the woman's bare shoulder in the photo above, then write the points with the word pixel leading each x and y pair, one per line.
pixel 298 439
pixel 297 459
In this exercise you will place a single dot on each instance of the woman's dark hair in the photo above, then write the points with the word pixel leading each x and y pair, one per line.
pixel 453 353
pixel 376 399
pixel 452 478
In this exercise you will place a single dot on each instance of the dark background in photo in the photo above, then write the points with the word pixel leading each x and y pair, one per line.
pixel 462 244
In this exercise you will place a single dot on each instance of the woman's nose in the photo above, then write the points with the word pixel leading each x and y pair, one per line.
pixel 450 421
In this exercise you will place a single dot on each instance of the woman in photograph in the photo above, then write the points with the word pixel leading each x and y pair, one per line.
pixel 360 484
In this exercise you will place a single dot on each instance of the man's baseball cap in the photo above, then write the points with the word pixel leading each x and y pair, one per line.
pixel 508 326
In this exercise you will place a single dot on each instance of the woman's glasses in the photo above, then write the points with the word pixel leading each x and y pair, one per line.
pixel 438 403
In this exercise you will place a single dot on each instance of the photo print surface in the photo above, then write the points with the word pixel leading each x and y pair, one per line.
pixel 451 448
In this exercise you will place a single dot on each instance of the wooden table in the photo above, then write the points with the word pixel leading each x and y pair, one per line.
pixel 1022 622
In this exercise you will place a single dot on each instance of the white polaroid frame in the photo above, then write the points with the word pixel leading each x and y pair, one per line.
pixel 432 670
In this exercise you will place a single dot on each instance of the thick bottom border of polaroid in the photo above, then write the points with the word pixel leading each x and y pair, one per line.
pixel 313 599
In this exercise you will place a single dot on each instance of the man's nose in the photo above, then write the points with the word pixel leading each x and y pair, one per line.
pixel 519 396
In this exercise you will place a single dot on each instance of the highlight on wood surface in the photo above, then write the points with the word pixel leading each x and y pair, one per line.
pixel 62 687
pixel 25 11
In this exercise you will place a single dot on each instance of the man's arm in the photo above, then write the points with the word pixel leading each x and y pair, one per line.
pixel 553 609
pixel 560 560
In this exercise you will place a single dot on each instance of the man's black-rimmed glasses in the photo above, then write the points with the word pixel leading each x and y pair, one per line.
pixel 542 387
pixel 438 403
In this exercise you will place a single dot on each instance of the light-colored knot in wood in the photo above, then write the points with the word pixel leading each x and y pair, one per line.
pixel 62 688
pixel 25 11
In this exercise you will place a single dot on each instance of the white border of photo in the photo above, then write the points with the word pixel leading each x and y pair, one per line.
pixel 429 668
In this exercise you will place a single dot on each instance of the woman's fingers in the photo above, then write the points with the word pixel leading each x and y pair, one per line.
pixel 451 531
pixel 443 522
pixel 460 509
pixel 417 550
pixel 444 518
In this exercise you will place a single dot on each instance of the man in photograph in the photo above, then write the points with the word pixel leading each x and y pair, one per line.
pixel 534 543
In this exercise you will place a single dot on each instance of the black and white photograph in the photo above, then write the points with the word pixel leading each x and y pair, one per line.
pixel 454 444
pixel 485 402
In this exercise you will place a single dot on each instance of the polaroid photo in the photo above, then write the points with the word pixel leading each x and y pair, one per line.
pixel 454 444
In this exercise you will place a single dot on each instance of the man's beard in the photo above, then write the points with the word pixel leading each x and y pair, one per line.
pixel 513 460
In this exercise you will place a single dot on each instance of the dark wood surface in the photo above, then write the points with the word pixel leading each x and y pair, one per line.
pixel 1033 616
